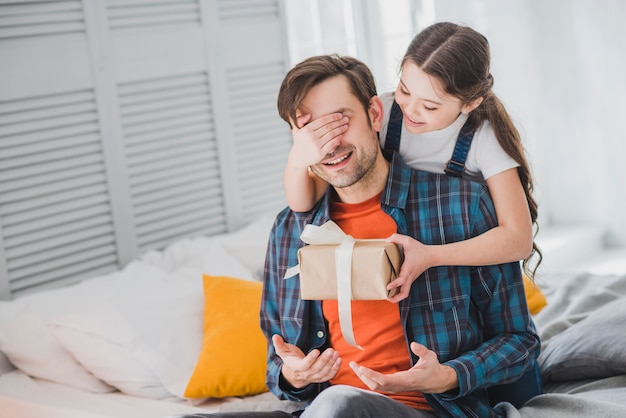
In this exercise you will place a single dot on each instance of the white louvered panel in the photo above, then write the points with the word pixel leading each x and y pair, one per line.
pixel 131 14
pixel 160 143
pixel 172 159
pixel 159 198
pixel 165 236
pixel 191 90
pixel 23 232
pixel 66 241
pixel 198 179
pixel 162 157
pixel 54 206
pixel 261 143
pixel 73 269
pixel 165 113
pixel 50 112
pixel 153 175
pixel 169 87
pixel 50 204
pixel 17 108
pixel 237 9
pixel 64 142
pixel 42 18
pixel 49 187
pixel 31 176
pixel 160 129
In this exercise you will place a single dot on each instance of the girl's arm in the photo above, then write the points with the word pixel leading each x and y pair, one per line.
pixel 511 240
pixel 312 140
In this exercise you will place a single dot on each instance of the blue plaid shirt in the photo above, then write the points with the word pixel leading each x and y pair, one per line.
pixel 475 318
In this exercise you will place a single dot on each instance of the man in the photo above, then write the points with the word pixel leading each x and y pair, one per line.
pixel 461 330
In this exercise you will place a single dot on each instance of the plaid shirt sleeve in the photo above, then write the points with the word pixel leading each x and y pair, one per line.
pixel 282 311
pixel 510 339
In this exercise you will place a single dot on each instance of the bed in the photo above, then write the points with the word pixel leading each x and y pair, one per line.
pixel 176 332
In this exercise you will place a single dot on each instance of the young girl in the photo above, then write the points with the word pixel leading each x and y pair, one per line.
pixel 444 93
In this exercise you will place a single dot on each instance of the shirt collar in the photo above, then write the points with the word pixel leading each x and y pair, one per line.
pixel 394 194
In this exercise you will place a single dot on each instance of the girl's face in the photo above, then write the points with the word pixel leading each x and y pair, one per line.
pixel 424 103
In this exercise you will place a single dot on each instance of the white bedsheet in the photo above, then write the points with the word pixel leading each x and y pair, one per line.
pixel 24 397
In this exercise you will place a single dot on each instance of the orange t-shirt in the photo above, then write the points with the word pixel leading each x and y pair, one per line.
pixel 376 323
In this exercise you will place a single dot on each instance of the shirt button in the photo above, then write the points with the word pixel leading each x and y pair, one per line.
pixel 320 334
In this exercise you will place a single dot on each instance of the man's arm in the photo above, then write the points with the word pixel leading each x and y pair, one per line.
pixel 280 309
pixel 511 343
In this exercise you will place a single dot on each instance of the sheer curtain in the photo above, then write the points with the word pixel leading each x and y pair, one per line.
pixel 558 68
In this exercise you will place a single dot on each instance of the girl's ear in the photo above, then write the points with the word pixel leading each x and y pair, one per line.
pixel 467 108
pixel 376 113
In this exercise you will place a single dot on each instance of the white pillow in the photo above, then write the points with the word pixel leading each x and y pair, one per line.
pixel 101 340
pixel 249 244
pixel 200 253
pixel 151 352
pixel 145 338
pixel 30 348
pixel 33 348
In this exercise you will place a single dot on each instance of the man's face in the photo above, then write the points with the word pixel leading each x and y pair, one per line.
pixel 359 147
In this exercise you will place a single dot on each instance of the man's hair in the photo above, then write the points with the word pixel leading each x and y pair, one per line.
pixel 313 71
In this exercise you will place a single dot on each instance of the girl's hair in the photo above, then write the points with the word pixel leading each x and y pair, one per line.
pixel 313 71
pixel 459 57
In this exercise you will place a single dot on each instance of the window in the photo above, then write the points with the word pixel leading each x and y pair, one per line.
pixel 377 32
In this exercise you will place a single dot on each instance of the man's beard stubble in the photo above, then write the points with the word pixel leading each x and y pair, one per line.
pixel 342 178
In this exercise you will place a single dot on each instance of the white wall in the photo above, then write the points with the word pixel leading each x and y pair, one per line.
pixel 559 68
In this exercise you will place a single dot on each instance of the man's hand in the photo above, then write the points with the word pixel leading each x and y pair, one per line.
pixel 416 261
pixel 300 370
pixel 314 139
pixel 427 376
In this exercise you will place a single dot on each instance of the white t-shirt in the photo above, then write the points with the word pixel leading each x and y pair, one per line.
pixel 431 151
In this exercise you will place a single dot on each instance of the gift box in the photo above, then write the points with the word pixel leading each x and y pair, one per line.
pixel 335 266
pixel 374 264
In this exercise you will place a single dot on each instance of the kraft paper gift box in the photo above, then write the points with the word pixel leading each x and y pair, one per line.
pixel 336 266
pixel 375 264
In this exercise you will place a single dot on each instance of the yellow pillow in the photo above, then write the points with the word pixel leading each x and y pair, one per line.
pixel 232 361
pixel 535 299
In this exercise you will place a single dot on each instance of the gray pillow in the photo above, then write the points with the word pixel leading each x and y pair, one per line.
pixel 592 348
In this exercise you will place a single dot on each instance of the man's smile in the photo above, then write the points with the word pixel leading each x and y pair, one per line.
pixel 338 160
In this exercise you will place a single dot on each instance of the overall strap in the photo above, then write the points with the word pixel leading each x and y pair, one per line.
pixel 456 164
pixel 394 128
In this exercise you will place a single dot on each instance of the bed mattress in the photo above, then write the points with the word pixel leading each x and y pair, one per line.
pixel 24 397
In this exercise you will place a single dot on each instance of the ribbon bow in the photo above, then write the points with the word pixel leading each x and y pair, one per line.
pixel 330 233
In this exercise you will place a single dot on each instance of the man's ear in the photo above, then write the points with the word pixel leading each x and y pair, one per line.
pixel 467 108
pixel 375 112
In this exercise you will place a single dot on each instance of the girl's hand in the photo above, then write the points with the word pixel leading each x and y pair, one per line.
pixel 416 261
pixel 314 139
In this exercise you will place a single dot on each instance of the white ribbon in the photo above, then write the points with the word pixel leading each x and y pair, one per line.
pixel 330 233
